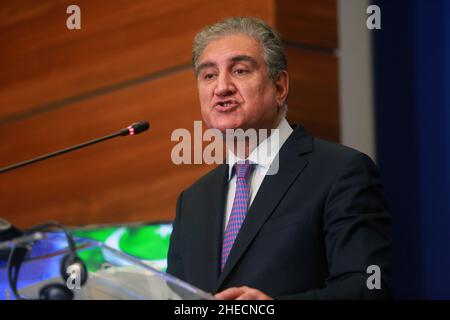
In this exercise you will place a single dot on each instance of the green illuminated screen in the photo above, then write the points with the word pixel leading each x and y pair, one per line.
pixel 146 242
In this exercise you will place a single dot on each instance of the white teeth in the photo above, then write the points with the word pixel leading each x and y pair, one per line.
pixel 225 104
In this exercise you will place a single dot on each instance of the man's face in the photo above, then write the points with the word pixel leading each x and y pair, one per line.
pixel 234 87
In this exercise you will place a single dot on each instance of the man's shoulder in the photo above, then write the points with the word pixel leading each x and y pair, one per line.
pixel 336 156
pixel 318 148
pixel 333 151
pixel 325 156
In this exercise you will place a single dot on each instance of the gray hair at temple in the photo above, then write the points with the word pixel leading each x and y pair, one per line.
pixel 271 45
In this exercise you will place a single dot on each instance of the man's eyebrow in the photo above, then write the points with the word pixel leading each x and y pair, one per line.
pixel 244 57
pixel 205 65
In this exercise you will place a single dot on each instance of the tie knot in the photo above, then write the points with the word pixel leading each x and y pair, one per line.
pixel 243 170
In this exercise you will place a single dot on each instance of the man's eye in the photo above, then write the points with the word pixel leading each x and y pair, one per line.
pixel 209 76
pixel 241 71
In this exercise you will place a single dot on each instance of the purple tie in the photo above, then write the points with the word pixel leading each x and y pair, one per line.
pixel 239 210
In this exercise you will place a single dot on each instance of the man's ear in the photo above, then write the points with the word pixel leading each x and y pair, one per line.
pixel 282 87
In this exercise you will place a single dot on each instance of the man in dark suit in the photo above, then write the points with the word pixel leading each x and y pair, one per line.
pixel 307 221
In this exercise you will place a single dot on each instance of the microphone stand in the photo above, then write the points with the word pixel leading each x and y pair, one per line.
pixel 131 130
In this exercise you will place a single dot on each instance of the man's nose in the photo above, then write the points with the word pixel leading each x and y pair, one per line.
pixel 225 85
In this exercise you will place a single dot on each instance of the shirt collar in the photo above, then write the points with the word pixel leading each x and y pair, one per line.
pixel 266 151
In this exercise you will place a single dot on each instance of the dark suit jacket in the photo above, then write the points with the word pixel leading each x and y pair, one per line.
pixel 310 233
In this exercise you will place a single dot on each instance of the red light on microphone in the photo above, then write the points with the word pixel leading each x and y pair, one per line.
pixel 131 130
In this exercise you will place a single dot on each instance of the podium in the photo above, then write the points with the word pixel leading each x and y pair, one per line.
pixel 112 274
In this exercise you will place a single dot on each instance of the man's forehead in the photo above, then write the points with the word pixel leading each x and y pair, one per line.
pixel 231 48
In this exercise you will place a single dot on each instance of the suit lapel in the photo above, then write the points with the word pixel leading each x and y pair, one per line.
pixel 270 194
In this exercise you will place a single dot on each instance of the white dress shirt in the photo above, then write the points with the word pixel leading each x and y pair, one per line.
pixel 262 160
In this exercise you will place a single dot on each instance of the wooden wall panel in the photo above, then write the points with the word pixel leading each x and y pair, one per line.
pixel 42 61
pixel 128 178
pixel 306 22
pixel 309 29
pixel 313 92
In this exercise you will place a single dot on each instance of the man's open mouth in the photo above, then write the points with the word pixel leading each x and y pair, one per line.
pixel 226 105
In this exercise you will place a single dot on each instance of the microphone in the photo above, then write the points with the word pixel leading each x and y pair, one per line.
pixel 131 130
pixel 135 128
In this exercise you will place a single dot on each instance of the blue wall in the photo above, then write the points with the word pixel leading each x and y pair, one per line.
pixel 412 92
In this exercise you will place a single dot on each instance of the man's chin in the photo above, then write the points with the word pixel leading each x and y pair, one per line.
pixel 222 126
pixel 223 129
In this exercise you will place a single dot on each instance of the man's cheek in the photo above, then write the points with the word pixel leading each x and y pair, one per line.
pixel 204 103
